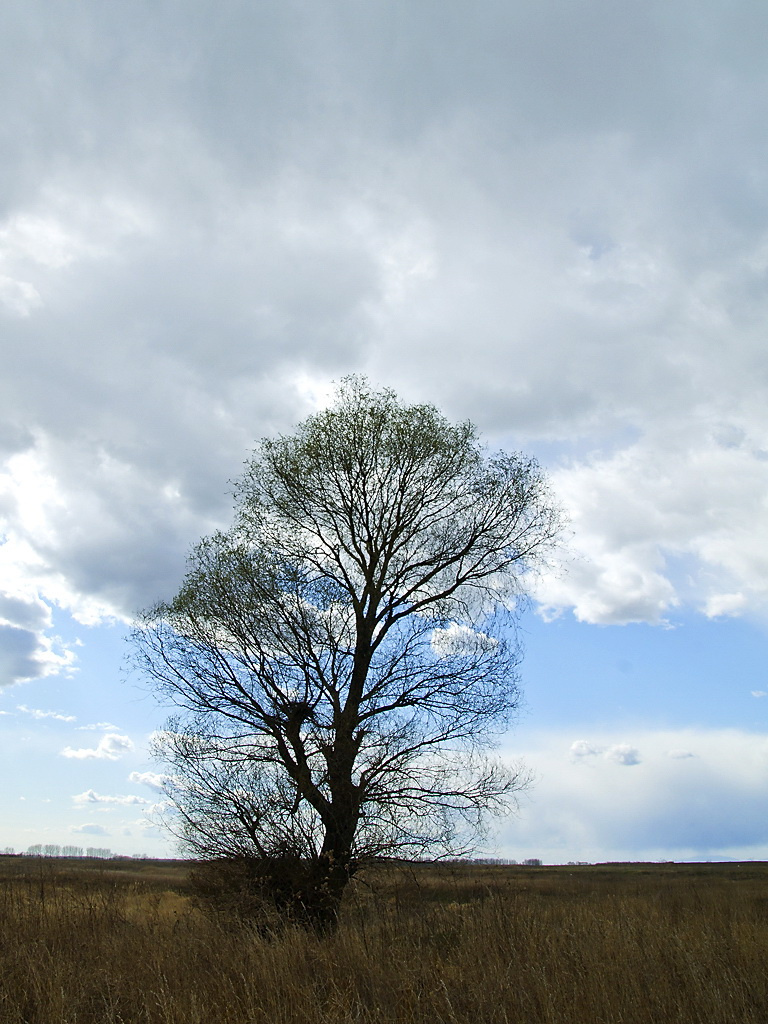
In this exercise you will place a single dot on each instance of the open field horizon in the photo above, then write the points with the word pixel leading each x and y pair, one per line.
pixel 124 941
pixel 99 858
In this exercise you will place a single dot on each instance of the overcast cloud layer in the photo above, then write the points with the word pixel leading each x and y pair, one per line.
pixel 549 217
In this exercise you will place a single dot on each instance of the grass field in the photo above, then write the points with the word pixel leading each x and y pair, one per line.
pixel 122 941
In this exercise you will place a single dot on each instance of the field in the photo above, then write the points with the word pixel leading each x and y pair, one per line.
pixel 122 941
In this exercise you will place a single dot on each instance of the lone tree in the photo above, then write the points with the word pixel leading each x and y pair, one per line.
pixel 342 656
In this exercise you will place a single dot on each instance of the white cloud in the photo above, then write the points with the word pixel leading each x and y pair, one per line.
pixel 583 748
pixel 152 779
pixel 458 640
pixel 759 693
pixel 98 727
pixel 161 807
pixel 623 753
pixel 637 513
pixel 38 714
pixel 90 830
pixel 91 797
pixel 725 604
pixel 110 748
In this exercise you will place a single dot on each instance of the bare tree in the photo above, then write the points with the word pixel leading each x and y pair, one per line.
pixel 345 654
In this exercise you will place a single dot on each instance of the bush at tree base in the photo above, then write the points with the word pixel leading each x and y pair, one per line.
pixel 266 892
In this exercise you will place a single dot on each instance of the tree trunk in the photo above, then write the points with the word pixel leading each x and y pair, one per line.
pixel 328 879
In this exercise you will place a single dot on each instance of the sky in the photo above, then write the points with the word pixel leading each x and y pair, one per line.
pixel 548 217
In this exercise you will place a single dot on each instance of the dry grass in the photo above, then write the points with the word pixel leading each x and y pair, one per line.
pixel 86 943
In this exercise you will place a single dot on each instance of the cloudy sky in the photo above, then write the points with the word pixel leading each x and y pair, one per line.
pixel 550 217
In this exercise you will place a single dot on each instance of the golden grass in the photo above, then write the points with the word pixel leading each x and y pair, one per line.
pixel 85 943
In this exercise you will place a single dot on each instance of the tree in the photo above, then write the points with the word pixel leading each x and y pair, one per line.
pixel 343 656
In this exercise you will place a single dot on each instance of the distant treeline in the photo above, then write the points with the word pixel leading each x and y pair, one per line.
pixel 54 850
pixel 530 862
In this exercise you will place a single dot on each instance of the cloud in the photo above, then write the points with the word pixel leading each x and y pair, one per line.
pixel 91 797
pixel 26 613
pixel 18 297
pixel 161 807
pixel 90 830
pixel 621 753
pixel 98 727
pixel 28 649
pixel 458 640
pixel 671 804
pixel 725 604
pixel 638 513
pixel 152 779
pixel 110 748
pixel 311 201
pixel 38 714
pixel 583 748
pixel 26 654
pixel 759 693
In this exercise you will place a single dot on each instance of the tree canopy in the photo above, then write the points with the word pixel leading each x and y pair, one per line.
pixel 343 656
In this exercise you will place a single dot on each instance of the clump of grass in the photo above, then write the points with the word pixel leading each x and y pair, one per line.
pixel 428 944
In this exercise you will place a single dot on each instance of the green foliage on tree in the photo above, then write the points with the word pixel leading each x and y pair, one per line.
pixel 343 656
